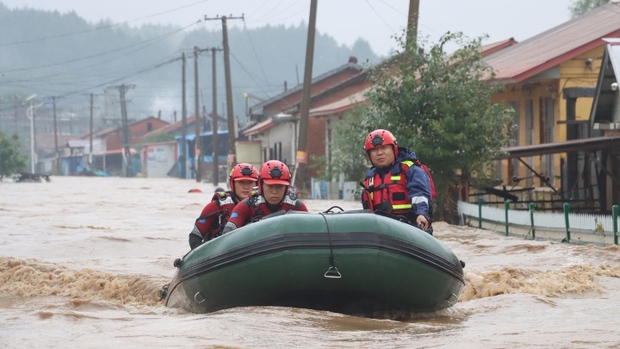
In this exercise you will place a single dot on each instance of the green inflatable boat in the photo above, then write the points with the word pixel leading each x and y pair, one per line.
pixel 351 262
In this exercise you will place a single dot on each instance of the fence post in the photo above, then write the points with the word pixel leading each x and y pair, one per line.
pixel 614 216
pixel 566 213
pixel 480 202
pixel 532 208
pixel 507 208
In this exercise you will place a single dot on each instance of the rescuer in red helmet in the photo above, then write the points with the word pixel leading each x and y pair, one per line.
pixel 274 194
pixel 243 177
pixel 397 183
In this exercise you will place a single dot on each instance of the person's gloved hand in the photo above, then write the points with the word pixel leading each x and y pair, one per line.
pixel 194 241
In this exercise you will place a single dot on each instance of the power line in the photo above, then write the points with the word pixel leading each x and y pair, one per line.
pixel 249 74
pixel 121 78
pixel 98 28
pixel 260 63
pixel 143 45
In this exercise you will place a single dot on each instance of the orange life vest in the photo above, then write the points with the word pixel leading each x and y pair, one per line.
pixel 390 194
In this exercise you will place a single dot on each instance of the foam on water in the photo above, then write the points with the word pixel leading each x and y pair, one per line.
pixel 81 260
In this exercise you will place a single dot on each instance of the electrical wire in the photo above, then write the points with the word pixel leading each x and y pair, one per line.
pixel 260 63
pixel 247 72
pixel 99 28
pixel 143 44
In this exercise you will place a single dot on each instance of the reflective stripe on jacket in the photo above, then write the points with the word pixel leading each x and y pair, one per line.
pixel 404 189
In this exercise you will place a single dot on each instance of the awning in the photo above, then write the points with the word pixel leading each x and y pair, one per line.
pixel 585 144
pixel 115 151
pixel 260 127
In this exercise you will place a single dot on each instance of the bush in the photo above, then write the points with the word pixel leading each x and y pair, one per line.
pixel 11 160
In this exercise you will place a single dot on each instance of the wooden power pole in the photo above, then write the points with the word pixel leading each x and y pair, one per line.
pixel 214 121
pixel 301 158
pixel 232 151
pixel 90 155
pixel 412 22
pixel 183 120
pixel 56 155
pixel 197 114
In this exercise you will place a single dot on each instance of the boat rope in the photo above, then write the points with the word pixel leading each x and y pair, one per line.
pixel 331 209
pixel 332 272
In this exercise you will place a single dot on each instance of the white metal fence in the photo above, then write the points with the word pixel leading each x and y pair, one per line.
pixel 581 221
pixel 601 225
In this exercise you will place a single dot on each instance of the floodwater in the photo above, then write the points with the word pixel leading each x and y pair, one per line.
pixel 81 260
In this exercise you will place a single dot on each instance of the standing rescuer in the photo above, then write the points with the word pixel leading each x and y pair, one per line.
pixel 396 183
pixel 274 194
pixel 215 214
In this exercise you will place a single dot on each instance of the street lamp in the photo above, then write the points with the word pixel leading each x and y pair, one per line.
pixel 30 114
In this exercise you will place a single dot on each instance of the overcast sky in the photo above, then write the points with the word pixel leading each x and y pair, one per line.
pixel 376 21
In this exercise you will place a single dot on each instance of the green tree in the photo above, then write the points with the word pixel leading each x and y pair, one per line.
pixel 346 151
pixel 11 160
pixel 439 106
pixel 579 7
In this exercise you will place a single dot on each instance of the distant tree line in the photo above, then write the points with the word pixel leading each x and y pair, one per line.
pixel 63 55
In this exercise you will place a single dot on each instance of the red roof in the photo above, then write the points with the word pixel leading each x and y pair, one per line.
pixel 358 98
pixel 260 127
pixel 340 105
pixel 267 124
pixel 556 45
pixel 496 46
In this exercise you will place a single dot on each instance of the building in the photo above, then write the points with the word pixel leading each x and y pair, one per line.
pixel 108 151
pixel 276 127
pixel 556 154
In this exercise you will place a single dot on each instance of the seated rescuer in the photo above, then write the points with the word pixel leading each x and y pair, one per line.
pixel 394 184
pixel 214 215
pixel 274 194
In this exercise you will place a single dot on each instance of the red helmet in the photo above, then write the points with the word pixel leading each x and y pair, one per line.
pixel 381 137
pixel 274 172
pixel 242 172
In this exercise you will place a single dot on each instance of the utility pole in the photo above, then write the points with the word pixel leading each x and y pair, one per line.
pixel 125 127
pixel 412 22
pixel 183 121
pixel 126 135
pixel 301 157
pixel 90 155
pixel 56 156
pixel 15 113
pixel 216 163
pixel 197 112
pixel 30 114
pixel 232 152
pixel 35 156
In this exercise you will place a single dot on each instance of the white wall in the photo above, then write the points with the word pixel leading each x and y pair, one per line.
pixel 158 160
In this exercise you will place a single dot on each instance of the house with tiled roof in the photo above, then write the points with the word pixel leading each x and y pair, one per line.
pixel 276 120
pixel 550 81
pixel 332 105
pixel 108 147
pixel 289 98
pixel 162 151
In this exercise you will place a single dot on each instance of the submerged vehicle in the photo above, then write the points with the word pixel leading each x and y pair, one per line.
pixel 351 262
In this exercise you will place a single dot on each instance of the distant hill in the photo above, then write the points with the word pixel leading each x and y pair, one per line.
pixel 62 55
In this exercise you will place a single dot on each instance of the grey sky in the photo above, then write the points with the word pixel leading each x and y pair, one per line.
pixel 345 20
